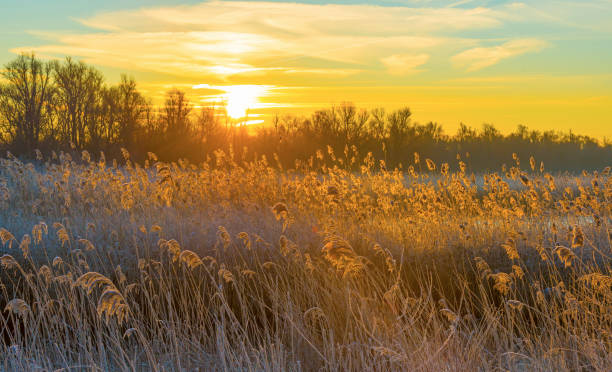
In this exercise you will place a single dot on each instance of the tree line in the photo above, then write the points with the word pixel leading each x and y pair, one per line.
pixel 67 105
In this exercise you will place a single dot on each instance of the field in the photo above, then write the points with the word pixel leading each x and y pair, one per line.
pixel 336 264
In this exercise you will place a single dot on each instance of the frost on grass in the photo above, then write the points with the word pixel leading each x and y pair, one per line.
pixel 228 266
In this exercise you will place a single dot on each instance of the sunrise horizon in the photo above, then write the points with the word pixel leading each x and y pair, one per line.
pixel 471 62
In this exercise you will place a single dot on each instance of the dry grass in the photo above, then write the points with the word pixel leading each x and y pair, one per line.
pixel 226 266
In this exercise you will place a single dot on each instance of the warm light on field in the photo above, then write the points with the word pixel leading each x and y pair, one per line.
pixel 306 185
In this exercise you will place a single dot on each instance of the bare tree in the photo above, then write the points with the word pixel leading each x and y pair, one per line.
pixel 465 133
pixel 399 130
pixel 131 107
pixel 377 123
pixel 79 98
pixel 175 113
pixel 109 112
pixel 25 100
pixel 352 122
pixel 211 133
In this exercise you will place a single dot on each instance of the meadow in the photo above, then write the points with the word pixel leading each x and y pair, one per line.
pixel 337 263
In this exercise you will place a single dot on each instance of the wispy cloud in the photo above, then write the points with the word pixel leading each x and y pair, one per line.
pixel 404 64
pixel 480 57
pixel 217 39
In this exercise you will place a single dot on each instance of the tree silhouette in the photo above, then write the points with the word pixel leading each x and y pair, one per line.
pixel 79 95
pixel 58 104
pixel 25 100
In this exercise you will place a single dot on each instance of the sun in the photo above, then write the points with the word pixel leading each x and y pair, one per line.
pixel 242 98
pixel 238 100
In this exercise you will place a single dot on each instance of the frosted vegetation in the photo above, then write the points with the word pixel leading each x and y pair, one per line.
pixel 247 266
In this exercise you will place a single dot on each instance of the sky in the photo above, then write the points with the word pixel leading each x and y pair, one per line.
pixel 545 64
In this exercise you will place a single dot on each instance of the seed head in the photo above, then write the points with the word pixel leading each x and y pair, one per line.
pixel 280 210
pixel 19 307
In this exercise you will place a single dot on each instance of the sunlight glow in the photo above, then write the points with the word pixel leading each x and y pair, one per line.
pixel 239 99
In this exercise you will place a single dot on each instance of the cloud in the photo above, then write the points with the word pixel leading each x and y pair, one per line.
pixel 404 64
pixel 294 18
pixel 481 57
pixel 221 40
